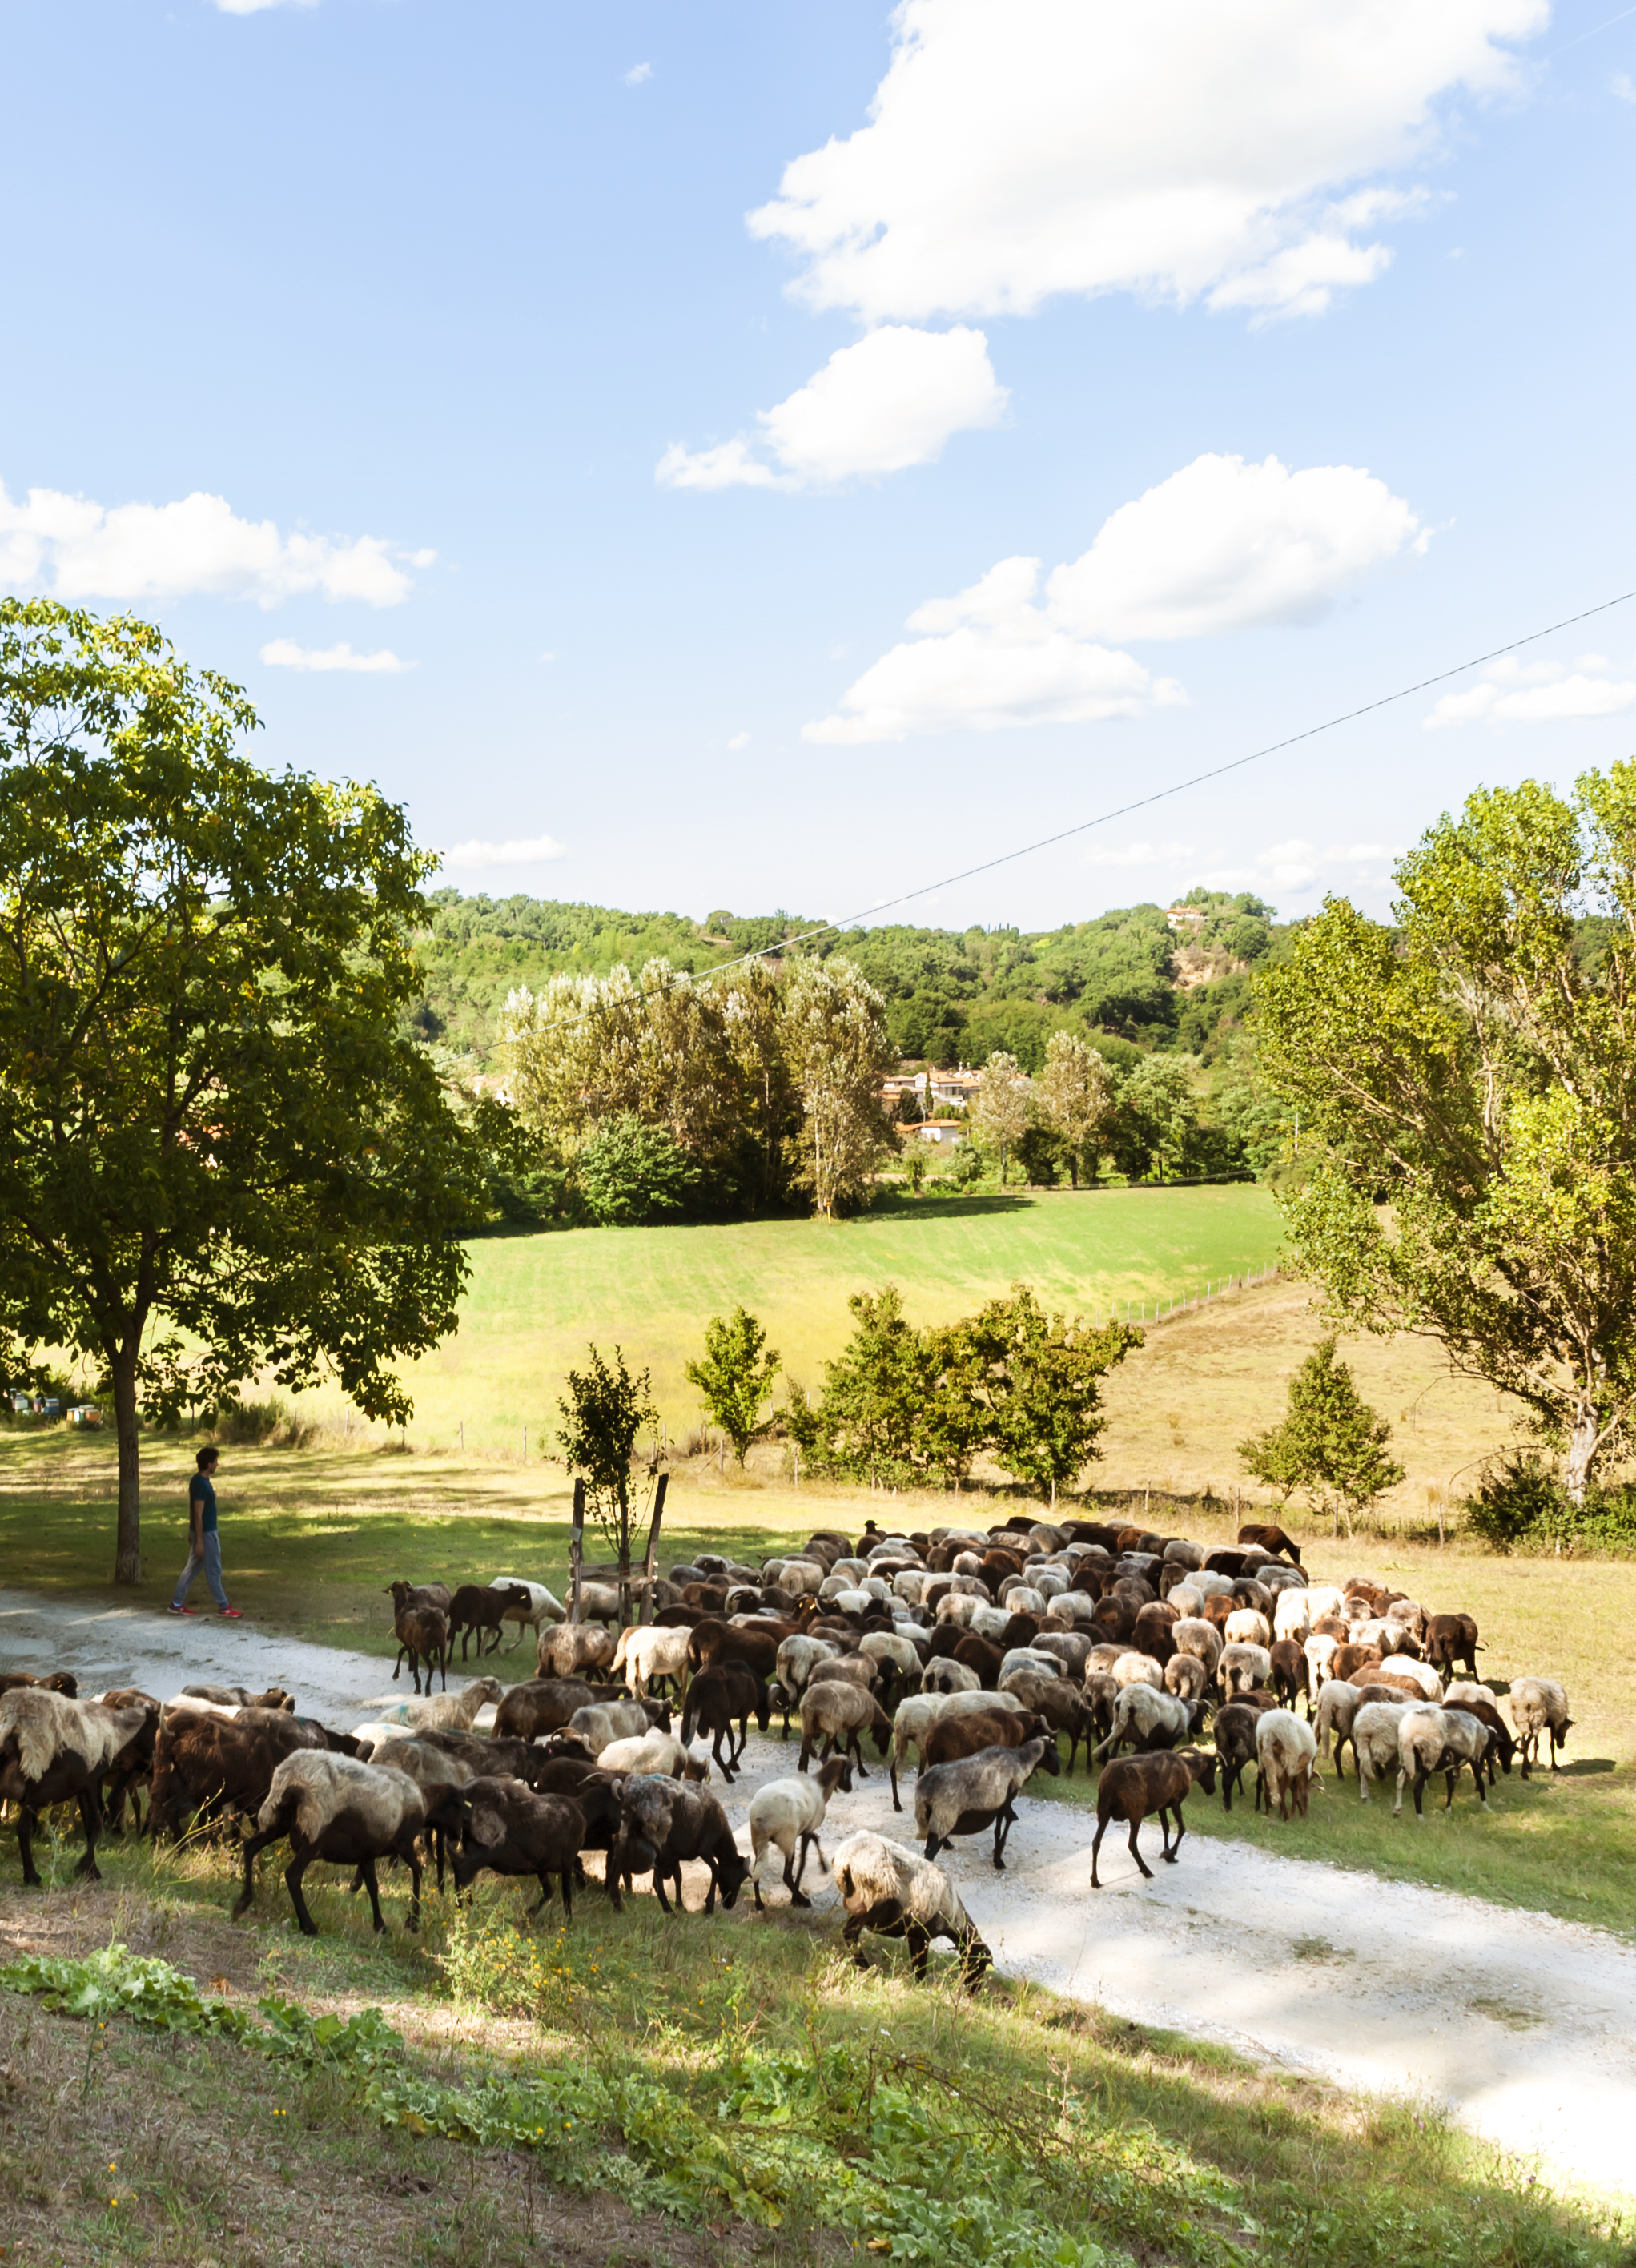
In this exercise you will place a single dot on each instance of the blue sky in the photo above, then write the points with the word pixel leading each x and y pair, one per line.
pixel 676 399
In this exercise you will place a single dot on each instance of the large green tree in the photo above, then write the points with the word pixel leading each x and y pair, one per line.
pixel 219 1158
pixel 1466 1090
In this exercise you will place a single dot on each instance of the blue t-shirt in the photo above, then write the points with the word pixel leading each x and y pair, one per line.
pixel 201 1492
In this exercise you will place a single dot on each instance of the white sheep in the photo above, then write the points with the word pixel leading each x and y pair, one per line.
pixel 54 1749
pixel 1021 1598
pixel 1285 1753
pixel 443 1712
pixel 1138 1714
pixel 1247 1627
pixel 786 1814
pixel 1320 1650
pixel 959 1607
pixel 1186 1677
pixel 1332 1718
pixel 1292 1615
pixel 1417 1673
pixel 909 1584
pixel 990 1622
pixel 543 1606
pixel 600 1723
pixel 912 1722
pixel 899 1655
pixel 1132 1668
pixel 1181 1553
pixel 1539 1704
pixel 653 1751
pixel 1027 1657
pixel 568 1648
pixel 1192 1634
pixel 650 1650
pixel 1374 1740
pixel 1439 1740
pixel 948 1675
pixel 1242 1668
pixel 1186 1598
pixel 893 1892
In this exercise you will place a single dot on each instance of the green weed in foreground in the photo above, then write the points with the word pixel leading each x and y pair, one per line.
pixel 903 2147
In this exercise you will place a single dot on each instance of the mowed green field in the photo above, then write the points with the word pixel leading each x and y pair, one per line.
pixel 535 1301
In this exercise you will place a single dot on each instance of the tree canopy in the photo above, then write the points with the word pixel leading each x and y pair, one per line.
pixel 219 1156
pixel 1466 1088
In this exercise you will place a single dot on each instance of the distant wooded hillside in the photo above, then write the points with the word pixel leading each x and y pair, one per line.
pixel 953 995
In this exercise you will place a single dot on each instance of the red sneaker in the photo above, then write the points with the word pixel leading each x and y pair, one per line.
pixel 232 1614
pixel 174 1610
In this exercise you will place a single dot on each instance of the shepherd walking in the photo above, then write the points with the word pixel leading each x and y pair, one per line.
pixel 206 1548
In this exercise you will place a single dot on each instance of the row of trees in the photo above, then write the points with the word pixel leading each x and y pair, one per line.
pixel 1147 1121
pixel 661 1089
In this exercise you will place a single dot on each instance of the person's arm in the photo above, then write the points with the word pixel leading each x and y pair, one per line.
pixel 195 1523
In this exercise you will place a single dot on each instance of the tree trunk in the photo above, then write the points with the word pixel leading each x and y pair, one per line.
pixel 127 1533
pixel 1582 1446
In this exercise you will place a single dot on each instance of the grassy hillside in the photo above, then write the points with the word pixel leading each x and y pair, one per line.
pixel 535 1300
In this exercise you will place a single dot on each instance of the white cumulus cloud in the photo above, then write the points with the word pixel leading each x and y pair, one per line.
pixel 1220 546
pixel 284 654
pixel 1223 545
pixel 888 402
pixel 638 74
pixel 740 741
pixel 1183 149
pixel 528 852
pixel 195 546
pixel 1534 693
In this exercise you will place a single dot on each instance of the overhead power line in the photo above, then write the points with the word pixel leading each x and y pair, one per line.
pixel 1125 810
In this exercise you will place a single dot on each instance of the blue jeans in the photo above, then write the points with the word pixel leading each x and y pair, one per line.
pixel 211 1563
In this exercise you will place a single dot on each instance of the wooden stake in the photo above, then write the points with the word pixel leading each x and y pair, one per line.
pixel 650 1571
pixel 576 1552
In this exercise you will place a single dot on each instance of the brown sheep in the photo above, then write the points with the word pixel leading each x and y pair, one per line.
pixel 509 1829
pixel 726 1694
pixel 1451 1642
pixel 423 1635
pixel 1289 1670
pixel 481 1606
pixel 543 1704
pixel 218 1766
pixel 1131 1787
pixel 950 1738
pixel 1271 1539
pixel 978 1654
pixel 718 1641
pixel 1348 1660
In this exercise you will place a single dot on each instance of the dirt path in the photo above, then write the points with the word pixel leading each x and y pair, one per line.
pixel 1526 2026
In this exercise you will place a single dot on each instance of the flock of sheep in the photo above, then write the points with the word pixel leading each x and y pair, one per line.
pixel 986 1655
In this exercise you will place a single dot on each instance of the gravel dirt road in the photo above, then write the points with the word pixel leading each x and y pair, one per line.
pixel 1525 2026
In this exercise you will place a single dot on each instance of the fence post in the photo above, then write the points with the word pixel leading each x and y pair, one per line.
pixel 576 1552
pixel 647 1614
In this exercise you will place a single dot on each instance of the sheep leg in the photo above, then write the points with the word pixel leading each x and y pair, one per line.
pixel 726 1769
pixel 412 1860
pixel 445 1668
pixel 1102 1828
pixel 897 1801
pixel 367 1869
pixel 919 1943
pixel 1174 1851
pixel 91 1813
pixel 792 1875
pixel 27 1823
pixel 253 1850
pixel 544 1899
pixel 293 1873
pixel 858 1756
pixel 807 1749
pixel 823 1864
pixel 1148 1871
pixel 1002 1827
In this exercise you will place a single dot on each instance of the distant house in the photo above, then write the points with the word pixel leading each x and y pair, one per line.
pixel 946 1133
pixel 955 1086
pixel 1185 917
pixel 492 1085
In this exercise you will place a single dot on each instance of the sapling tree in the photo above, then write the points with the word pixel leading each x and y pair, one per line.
pixel 1330 1442
pixel 606 1410
pixel 734 1376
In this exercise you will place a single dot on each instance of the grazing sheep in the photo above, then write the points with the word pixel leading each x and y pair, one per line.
pixel 1478 1702
pixel 1242 1668
pixel 482 1608
pixel 1186 1677
pixel 565 1649
pixel 1439 1739
pixel 1192 1634
pixel 1292 1616
pixel 978 1792
pixel 1374 1740
pixel 1133 1787
pixel 1338 1705
pixel 1289 1670
pixel 214 1766
pixel 509 1830
pixel 543 1705
pixel 787 1815
pixel 664 1823
pixel 57 1750
pixel 839 1714
pixel 947 1675
pixel 892 1892
pixel 1062 1709
pixel 654 1752
pixel 1539 1704
pixel 422 1635
pixel 1148 1719
pixel 1418 1681
pixel 728 1693
pixel 1271 1539
pixel 600 1602
pixel 435 1771
pixel 349 1814
pixel 1287 1752
pixel 648 1651
pixel 1130 1669
pixel 915 1716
